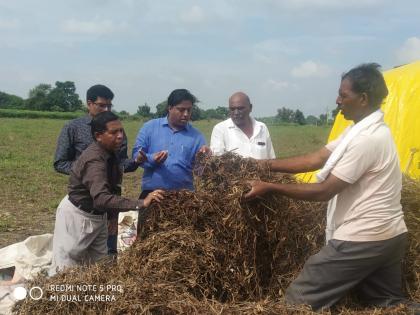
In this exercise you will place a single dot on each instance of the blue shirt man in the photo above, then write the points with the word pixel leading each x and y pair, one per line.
pixel 170 145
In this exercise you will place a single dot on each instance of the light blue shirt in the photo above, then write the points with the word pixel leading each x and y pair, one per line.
pixel 182 145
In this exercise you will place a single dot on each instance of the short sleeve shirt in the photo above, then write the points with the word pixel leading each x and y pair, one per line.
pixel 369 209
pixel 226 136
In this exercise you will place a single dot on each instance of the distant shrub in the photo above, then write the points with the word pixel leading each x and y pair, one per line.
pixel 135 117
pixel 16 113
pixel 275 121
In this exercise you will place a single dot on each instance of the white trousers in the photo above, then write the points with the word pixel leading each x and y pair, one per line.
pixel 79 237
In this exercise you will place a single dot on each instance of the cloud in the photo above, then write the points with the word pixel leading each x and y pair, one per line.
pixel 330 4
pixel 272 51
pixel 310 69
pixel 410 51
pixel 277 85
pixel 92 27
pixel 193 15
pixel 275 46
pixel 9 24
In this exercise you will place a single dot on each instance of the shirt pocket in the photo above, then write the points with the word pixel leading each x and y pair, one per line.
pixel 187 152
pixel 260 143
pixel 260 147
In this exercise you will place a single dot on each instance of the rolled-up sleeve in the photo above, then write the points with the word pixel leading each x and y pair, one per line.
pixel 217 144
pixel 96 181
pixel 270 149
pixel 128 164
pixel 143 143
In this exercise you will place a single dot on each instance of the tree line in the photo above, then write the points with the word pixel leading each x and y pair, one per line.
pixel 197 113
pixel 288 115
pixel 44 97
pixel 63 98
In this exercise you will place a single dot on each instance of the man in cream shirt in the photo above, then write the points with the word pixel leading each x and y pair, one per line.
pixel 360 177
pixel 241 133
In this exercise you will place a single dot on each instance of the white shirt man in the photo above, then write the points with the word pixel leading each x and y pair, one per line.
pixel 361 178
pixel 226 136
pixel 369 209
pixel 241 133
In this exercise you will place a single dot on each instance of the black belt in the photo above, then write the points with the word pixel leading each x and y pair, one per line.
pixel 87 210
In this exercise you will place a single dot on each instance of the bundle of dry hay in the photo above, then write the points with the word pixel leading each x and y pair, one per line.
pixel 209 252
pixel 410 200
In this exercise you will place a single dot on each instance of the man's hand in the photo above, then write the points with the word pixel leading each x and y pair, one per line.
pixel 258 188
pixel 141 157
pixel 154 196
pixel 160 156
pixel 205 150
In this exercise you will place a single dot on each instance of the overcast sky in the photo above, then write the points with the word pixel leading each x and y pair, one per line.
pixel 281 53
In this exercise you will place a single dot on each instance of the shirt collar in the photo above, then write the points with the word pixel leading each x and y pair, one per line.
pixel 87 118
pixel 253 121
pixel 164 122
pixel 105 153
pixel 256 126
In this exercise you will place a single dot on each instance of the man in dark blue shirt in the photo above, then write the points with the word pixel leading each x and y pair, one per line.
pixel 76 136
pixel 170 145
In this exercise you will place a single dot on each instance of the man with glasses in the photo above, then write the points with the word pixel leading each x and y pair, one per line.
pixel 76 136
pixel 170 144
pixel 241 133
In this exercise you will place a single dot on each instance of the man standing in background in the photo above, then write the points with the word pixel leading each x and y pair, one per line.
pixel 170 144
pixel 76 136
pixel 241 133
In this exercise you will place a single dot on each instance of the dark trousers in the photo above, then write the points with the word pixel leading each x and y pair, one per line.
pixel 373 268
pixel 142 213
pixel 112 233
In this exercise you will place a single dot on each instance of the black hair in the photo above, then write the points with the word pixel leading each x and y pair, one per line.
pixel 99 90
pixel 179 95
pixel 98 123
pixel 367 78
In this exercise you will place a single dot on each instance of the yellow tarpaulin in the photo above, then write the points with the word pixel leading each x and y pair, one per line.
pixel 402 114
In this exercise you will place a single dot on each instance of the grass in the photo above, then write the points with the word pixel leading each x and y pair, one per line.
pixel 30 189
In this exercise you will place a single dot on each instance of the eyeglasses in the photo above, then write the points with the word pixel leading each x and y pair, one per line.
pixel 103 106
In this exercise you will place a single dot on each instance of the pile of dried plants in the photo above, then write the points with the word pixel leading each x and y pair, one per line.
pixel 210 252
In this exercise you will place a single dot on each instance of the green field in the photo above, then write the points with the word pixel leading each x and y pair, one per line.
pixel 30 189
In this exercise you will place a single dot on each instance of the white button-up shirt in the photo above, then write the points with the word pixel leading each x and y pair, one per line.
pixel 226 136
